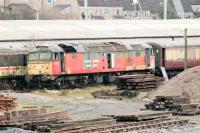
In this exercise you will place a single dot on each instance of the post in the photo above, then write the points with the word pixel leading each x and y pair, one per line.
pixel 37 15
pixel 70 9
pixel 41 6
pixel 85 9
pixel 4 6
pixel 186 48
pixel 165 9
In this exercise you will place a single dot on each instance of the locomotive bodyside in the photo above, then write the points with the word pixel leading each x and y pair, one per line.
pixel 12 64
pixel 175 59
pixel 110 61
pixel 171 55
pixel 69 65
pixel 12 68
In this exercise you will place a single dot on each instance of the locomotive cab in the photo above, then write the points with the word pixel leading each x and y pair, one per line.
pixel 44 62
pixel 147 54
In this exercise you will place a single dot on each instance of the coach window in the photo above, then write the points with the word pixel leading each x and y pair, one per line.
pixel 3 61
pixel 17 60
pixel 13 60
pixel 191 53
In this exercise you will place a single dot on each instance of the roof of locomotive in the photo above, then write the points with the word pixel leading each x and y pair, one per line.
pixel 14 49
pixel 104 46
pixel 90 47
pixel 134 46
pixel 54 47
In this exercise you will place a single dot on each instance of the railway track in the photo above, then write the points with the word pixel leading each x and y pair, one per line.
pixel 118 127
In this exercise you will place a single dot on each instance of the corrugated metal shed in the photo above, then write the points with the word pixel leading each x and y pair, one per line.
pixel 99 29
pixel 78 45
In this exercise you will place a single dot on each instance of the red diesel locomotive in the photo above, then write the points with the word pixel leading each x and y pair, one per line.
pixel 74 64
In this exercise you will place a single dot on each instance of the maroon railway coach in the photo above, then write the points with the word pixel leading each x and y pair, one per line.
pixel 171 55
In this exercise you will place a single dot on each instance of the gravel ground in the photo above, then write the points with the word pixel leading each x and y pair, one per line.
pixel 181 129
pixel 78 107
pixel 187 81
pixel 81 105
pixel 16 130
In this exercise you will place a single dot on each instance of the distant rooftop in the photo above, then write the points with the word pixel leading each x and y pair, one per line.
pixel 153 5
pixel 105 3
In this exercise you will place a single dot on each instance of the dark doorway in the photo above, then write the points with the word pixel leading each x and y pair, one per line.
pixel 109 60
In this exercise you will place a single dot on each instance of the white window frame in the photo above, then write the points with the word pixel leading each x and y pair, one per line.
pixel 50 3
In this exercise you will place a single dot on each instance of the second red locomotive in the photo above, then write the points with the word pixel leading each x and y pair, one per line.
pixel 71 64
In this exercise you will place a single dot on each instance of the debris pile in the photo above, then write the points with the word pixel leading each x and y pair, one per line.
pixel 178 105
pixel 129 86
pixel 139 82
pixel 188 81
pixel 116 94
pixel 140 115
pixel 33 119
pixel 155 120
pixel 185 109
pixel 7 102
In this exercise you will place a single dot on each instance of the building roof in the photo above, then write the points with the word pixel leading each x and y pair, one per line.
pixel 20 7
pixel 19 30
pixel 154 5
pixel 61 7
pixel 118 17
pixel 131 7
pixel 197 14
pixel 195 2
pixel 150 5
pixel 97 17
pixel 187 5
pixel 106 3
pixel 101 3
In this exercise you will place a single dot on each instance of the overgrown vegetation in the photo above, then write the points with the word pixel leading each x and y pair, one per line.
pixel 171 12
pixel 16 16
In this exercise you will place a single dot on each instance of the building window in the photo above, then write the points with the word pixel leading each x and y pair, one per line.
pixel 117 12
pixel 106 11
pixel 96 11
pixel 125 14
pixel 50 1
